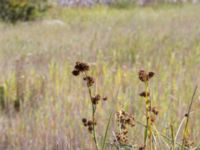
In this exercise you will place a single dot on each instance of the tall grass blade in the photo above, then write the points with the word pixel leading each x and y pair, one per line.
pixel 106 132
pixel 187 119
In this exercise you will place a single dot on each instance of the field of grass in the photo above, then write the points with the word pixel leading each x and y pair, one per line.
pixel 37 58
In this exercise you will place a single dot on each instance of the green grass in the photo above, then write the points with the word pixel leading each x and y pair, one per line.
pixel 117 43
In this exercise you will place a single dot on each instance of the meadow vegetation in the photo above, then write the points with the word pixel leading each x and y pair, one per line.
pixel 43 104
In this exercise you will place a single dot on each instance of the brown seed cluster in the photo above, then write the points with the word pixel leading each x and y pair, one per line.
pixel 80 67
pixel 83 68
pixel 96 99
pixel 153 111
pixel 89 124
pixel 90 80
pixel 142 148
pixel 122 137
pixel 145 94
pixel 123 119
pixel 144 76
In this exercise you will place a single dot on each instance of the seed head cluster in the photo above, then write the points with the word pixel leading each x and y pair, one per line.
pixel 80 67
pixel 123 119
pixel 89 80
pixel 144 76
pixel 83 68
pixel 89 124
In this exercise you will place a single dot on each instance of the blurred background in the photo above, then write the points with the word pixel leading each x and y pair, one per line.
pixel 42 104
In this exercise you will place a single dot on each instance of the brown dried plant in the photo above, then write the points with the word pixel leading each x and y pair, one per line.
pixel 83 68
pixel 151 112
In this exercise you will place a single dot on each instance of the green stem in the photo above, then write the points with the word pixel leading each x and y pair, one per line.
pixel 148 130
pixel 187 121
pixel 105 136
pixel 172 136
pixel 93 116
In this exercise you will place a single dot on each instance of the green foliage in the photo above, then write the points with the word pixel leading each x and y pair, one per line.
pixel 121 4
pixel 21 10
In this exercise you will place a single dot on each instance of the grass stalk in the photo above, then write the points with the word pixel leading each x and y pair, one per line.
pixel 106 132
pixel 93 116
pixel 172 136
pixel 185 131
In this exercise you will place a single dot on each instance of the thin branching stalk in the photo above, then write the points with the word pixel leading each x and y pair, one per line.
pixel 187 119
pixel 147 115
pixel 93 116
pixel 148 130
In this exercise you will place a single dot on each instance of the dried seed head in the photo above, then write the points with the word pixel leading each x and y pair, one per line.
pixel 152 118
pixel 105 98
pixel 155 111
pixel 144 76
pixel 125 131
pixel 84 120
pixel 142 148
pixel 75 72
pixel 80 66
pixel 90 80
pixel 121 138
pixel 90 129
pixel 124 119
pixel 95 99
pixel 89 123
pixel 144 94
pixel 151 74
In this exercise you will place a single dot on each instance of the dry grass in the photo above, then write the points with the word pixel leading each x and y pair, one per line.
pixel 116 43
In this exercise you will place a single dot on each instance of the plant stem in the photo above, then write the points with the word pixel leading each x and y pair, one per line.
pixel 106 132
pixel 187 119
pixel 172 136
pixel 148 130
pixel 93 116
